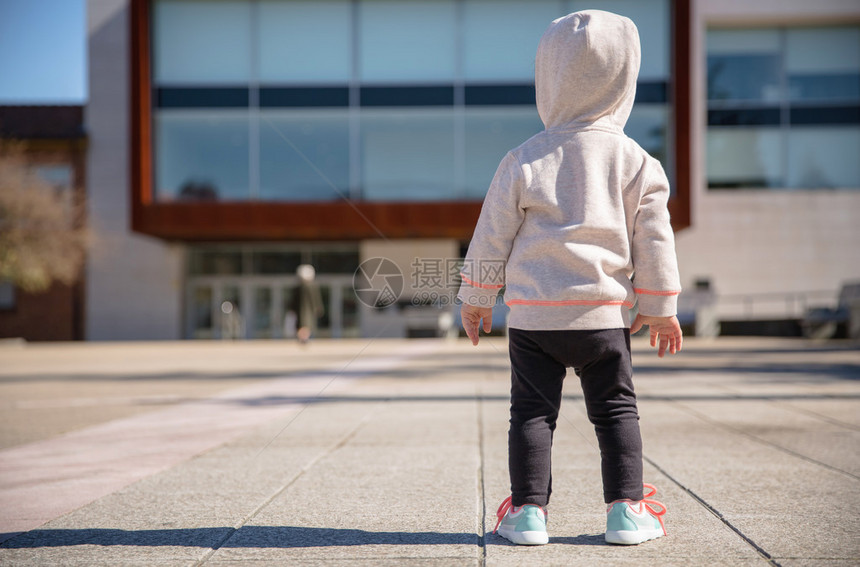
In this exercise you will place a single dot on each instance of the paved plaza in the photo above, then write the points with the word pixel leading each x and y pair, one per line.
pixel 389 452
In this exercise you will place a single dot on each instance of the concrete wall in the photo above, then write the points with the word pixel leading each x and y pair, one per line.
pixel 134 283
pixel 765 241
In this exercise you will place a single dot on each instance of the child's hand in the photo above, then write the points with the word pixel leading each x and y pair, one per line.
pixel 471 316
pixel 667 329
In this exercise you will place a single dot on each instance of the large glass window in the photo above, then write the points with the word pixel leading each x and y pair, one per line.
pixel 823 64
pixel 380 100
pixel 202 154
pixel 202 42
pixel 784 108
pixel 407 154
pixel 403 42
pixel 304 154
pixel 308 41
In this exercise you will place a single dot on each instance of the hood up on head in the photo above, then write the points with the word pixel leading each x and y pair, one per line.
pixel 586 69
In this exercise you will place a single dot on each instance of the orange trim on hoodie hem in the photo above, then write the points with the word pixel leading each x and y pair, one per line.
pixel 654 292
pixel 586 302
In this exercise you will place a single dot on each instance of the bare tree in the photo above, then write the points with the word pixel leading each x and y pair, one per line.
pixel 42 235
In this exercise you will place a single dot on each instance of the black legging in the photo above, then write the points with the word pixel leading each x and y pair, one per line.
pixel 601 359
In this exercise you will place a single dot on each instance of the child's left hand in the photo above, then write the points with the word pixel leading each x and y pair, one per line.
pixel 471 317
pixel 665 330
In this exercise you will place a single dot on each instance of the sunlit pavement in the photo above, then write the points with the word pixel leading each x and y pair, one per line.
pixel 381 452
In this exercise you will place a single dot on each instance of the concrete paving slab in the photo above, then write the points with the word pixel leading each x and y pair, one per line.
pixel 840 411
pixel 819 440
pixel 788 506
pixel 182 513
pixel 406 462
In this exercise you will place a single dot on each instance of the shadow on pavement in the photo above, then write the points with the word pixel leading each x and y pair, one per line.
pixel 257 537
pixel 709 397
pixel 246 537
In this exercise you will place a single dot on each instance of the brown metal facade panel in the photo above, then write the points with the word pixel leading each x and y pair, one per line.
pixel 312 221
pixel 340 220
pixel 141 114
pixel 679 205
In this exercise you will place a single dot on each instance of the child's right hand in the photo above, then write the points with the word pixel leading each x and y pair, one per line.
pixel 666 329
pixel 471 317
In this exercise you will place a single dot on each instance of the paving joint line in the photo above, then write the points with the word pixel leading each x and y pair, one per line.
pixel 482 493
pixel 235 529
pixel 762 441
pixel 816 415
pixel 702 502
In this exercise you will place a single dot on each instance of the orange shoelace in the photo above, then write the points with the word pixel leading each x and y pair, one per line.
pixel 506 505
pixel 500 513
pixel 649 504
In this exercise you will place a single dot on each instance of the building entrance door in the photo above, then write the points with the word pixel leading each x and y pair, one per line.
pixel 258 307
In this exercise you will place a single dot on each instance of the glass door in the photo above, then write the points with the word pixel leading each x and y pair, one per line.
pixel 201 319
pixel 265 307
pixel 262 321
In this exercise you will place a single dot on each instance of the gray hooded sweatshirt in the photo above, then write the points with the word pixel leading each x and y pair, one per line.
pixel 575 224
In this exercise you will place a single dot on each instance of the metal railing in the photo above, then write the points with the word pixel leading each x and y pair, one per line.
pixel 787 305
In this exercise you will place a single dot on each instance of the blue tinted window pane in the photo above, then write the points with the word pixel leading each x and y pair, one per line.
pixel 744 65
pixel 824 157
pixel 490 133
pixel 823 63
pixel 822 49
pixel 304 154
pixel 407 41
pixel 744 157
pixel 201 154
pixel 201 42
pixel 407 155
pixel 744 77
pixel 305 41
pixel 814 87
pixel 500 37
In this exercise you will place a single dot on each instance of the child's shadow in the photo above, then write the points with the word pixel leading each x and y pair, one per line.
pixel 584 539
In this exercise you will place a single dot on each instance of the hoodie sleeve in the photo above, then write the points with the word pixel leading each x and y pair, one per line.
pixel 483 273
pixel 656 280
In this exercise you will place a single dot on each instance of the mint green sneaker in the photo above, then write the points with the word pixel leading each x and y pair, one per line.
pixel 631 523
pixel 525 525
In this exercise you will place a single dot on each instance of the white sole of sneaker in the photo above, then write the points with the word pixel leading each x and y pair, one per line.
pixel 524 538
pixel 629 537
